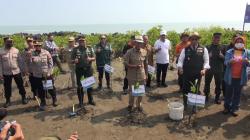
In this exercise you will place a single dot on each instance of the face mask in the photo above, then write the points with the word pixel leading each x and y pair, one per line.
pixel 239 45
pixel 8 45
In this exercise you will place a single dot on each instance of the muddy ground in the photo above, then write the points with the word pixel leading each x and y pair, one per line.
pixel 109 119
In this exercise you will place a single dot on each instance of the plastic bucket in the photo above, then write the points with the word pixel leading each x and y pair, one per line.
pixel 176 111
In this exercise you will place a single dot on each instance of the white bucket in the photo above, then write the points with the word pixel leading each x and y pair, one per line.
pixel 176 111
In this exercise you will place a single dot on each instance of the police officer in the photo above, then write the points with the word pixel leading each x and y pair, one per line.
pixel 42 66
pixel 136 61
pixel 103 52
pixel 216 61
pixel 83 57
pixel 11 66
pixel 27 55
pixel 68 51
pixel 193 63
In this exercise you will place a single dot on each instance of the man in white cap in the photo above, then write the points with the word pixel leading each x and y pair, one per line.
pixel 136 61
pixel 192 64
pixel 162 47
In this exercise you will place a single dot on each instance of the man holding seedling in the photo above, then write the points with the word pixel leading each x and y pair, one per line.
pixel 42 67
pixel 83 57
pixel 11 66
pixel 136 61
pixel 103 53
pixel 193 63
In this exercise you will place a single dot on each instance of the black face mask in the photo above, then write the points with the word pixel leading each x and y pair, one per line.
pixel 8 45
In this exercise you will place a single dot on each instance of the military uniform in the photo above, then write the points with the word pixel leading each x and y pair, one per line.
pixel 68 53
pixel 103 56
pixel 134 75
pixel 41 66
pixel 11 66
pixel 83 68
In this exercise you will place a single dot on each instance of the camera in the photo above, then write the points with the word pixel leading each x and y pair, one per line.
pixel 11 131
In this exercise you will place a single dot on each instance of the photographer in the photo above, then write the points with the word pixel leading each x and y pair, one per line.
pixel 18 132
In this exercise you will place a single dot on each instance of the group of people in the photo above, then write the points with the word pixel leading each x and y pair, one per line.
pixel 227 64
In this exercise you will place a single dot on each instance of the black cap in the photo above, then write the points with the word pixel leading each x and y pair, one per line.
pixel 217 34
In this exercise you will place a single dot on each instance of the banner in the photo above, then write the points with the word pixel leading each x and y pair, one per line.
pixel 108 68
pixel 140 91
pixel 47 84
pixel 247 14
pixel 196 100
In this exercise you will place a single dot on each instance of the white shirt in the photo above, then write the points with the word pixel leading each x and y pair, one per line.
pixel 162 56
pixel 205 57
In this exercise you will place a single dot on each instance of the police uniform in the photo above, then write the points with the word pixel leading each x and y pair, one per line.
pixel 83 68
pixel 42 65
pixel 27 57
pixel 134 75
pixel 71 65
pixel 11 66
pixel 103 56
pixel 192 60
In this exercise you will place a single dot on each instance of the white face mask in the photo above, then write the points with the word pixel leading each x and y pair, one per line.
pixel 239 45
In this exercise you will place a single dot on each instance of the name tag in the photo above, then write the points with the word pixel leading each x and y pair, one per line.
pixel 47 84
pixel 88 82
pixel 108 68
pixel 140 91
pixel 151 70
pixel 196 100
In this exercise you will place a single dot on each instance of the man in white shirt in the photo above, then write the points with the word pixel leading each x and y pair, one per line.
pixel 162 47
pixel 192 64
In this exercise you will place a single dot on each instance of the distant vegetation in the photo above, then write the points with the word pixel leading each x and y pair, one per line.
pixel 118 40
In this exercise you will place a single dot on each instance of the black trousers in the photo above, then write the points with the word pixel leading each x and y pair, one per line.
pixel 7 85
pixel 186 88
pixel 86 72
pixel 32 84
pixel 161 73
pixel 125 81
pixel 180 80
pixel 218 83
pixel 148 84
pixel 38 86
pixel 100 76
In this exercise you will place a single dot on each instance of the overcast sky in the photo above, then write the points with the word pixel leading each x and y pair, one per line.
pixel 77 12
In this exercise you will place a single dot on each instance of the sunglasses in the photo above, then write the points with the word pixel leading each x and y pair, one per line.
pixel 195 39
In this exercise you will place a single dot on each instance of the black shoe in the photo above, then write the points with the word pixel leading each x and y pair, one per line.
pixel 42 108
pixel 148 86
pixel 7 104
pixel 158 85
pixel 235 113
pixel 92 103
pixel 24 100
pixel 130 108
pixel 164 85
pixel 125 91
pixel 80 105
pixel 218 102
pixel 225 111
pixel 140 109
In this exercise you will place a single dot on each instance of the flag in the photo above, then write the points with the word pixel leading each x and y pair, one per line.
pixel 247 14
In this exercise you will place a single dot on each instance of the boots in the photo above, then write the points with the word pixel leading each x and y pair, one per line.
pixel 54 100
pixel 80 96
pixel 90 99
pixel 53 95
pixel 100 84
pixel 8 103
pixel 42 105
pixel 108 84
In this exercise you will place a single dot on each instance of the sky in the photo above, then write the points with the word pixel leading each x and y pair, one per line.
pixel 80 12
